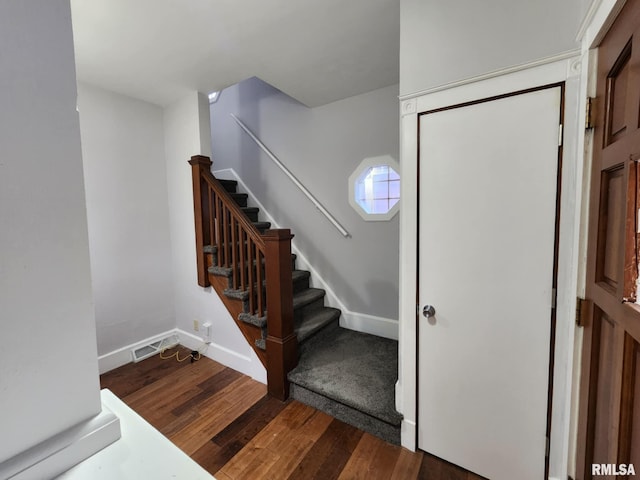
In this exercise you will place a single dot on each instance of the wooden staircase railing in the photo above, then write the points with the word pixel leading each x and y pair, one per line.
pixel 222 229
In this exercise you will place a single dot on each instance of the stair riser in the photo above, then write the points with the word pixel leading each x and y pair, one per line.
pixel 300 284
pixel 253 216
pixel 325 331
pixel 379 428
pixel 240 199
pixel 230 186
pixel 299 314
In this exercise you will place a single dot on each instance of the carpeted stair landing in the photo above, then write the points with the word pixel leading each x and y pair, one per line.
pixel 350 376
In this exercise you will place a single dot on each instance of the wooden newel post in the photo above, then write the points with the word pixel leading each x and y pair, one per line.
pixel 282 344
pixel 199 165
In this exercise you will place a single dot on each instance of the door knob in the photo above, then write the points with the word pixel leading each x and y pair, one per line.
pixel 428 311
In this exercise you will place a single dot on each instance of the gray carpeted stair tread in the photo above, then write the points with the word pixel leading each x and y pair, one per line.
pixel 299 275
pixel 314 322
pixel 306 297
pixel 251 213
pixel 240 198
pixel 221 271
pixel 352 368
pixel 300 300
pixel 262 226
pixel 242 295
pixel 260 322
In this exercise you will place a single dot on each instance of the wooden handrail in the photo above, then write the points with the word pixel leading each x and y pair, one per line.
pixel 254 261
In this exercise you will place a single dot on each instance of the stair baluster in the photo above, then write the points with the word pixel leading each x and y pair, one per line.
pixel 255 261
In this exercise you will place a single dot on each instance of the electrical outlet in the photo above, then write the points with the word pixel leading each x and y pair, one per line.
pixel 196 326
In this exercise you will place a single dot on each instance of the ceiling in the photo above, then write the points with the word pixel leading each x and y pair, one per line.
pixel 316 51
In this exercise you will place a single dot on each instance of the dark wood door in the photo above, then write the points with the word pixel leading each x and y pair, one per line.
pixel 609 416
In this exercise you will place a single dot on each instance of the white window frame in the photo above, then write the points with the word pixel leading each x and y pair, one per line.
pixel 365 165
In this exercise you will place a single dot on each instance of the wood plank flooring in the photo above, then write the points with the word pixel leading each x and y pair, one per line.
pixel 227 423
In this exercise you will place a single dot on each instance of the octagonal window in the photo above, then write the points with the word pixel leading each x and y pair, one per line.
pixel 374 188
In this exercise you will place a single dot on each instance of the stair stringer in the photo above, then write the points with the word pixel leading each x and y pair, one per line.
pixel 358 321
pixel 235 308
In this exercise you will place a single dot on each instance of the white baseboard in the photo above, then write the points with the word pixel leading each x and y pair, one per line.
pixel 408 435
pixel 122 356
pixel 223 355
pixel 219 353
pixel 61 452
pixel 361 322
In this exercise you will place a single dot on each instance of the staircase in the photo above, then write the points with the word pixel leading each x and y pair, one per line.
pixel 349 375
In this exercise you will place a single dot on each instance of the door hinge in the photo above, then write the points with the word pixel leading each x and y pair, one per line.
pixel 560 132
pixel 547 448
pixel 582 311
pixel 588 117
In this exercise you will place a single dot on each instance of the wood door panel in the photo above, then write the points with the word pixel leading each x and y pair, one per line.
pixel 611 226
pixel 616 153
pixel 609 419
pixel 630 407
pixel 630 323
pixel 616 98
pixel 602 368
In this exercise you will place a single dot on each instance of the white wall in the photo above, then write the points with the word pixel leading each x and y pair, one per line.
pixel 187 133
pixel 48 360
pixel 128 215
pixel 444 42
pixel 321 146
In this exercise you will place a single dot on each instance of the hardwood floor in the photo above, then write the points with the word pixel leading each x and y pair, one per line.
pixel 227 423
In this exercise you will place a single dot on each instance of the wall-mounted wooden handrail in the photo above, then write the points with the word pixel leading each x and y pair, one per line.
pixel 254 261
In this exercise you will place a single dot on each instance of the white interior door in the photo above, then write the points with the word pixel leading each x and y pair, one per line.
pixel 488 176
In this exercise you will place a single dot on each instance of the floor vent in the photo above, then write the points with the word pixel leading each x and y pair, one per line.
pixel 151 349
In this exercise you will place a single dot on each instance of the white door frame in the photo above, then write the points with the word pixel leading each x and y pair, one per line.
pixel 558 69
